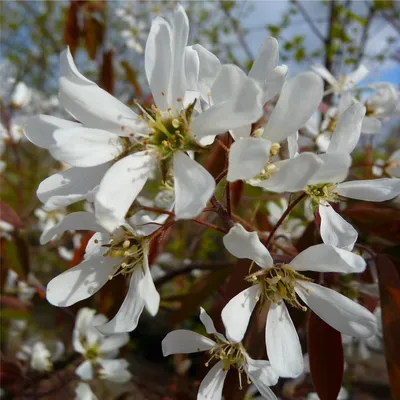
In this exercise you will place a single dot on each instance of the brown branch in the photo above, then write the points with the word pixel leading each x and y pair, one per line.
pixel 238 31
pixel 283 216
pixel 308 19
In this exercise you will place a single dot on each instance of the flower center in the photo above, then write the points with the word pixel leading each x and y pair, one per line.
pixel 124 245
pixel 170 131
pixel 92 353
pixel 323 192
pixel 278 283
pixel 233 355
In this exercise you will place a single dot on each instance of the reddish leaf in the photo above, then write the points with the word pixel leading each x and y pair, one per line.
pixel 326 357
pixel 389 285
pixel 237 189
pixel 376 219
pixel 13 302
pixel 9 215
pixel 94 33
pixel 107 78
pixel 71 27
pixel 79 253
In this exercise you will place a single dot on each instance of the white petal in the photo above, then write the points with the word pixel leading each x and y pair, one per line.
pixel 183 342
pixel 69 186
pixel 283 344
pixel 72 222
pixel 192 66
pixel 263 375
pixel 293 146
pixel 83 147
pixel 274 83
pixel 80 282
pixel 213 383
pixel 84 392
pixel 91 105
pixel 348 130
pixel 292 175
pixel 324 73
pixel 247 158
pixel 242 107
pixel 120 186
pixel 236 314
pixel 265 61
pixel 338 311
pixel 371 125
pixel 209 69
pixel 228 83
pixel 335 168
pixel 194 186
pixel 180 33
pixel 327 258
pixel 127 317
pixel 40 128
pixel 298 100
pixel 114 342
pixel 115 370
pixel 242 132
pixel 148 291
pixel 85 371
pixel 243 244
pixel 158 61
pixel 335 230
pixel 370 190
pixel 207 321
pixel 356 76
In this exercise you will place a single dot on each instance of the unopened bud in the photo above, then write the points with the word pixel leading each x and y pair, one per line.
pixel 274 149
pixel 175 123
pixel 258 132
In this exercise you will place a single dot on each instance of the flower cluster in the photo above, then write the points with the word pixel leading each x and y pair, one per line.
pixel 114 153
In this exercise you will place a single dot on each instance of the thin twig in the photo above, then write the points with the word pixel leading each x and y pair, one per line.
pixel 308 19
pixel 283 216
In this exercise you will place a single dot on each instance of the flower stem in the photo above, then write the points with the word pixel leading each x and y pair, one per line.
pixel 292 205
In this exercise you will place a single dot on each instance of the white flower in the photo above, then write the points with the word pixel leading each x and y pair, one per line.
pixel 123 149
pixel 249 157
pixel 392 167
pixel 107 255
pixel 15 286
pixel 47 219
pixel 84 392
pixel 334 229
pixel 228 354
pixel 21 95
pixel 345 83
pixel 278 284
pixel 381 105
pixel 37 353
pixel 98 350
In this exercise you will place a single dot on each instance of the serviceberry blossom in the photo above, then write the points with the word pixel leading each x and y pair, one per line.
pixel 39 354
pixel 345 83
pixel 108 254
pixel 229 354
pixel 284 283
pixel 334 229
pixel 84 392
pixel 116 151
pixel 99 351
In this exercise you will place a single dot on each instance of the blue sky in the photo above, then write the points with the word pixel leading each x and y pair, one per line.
pixel 270 12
